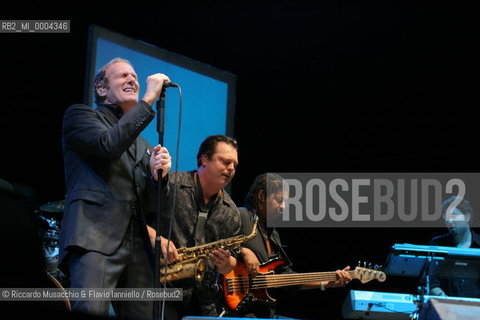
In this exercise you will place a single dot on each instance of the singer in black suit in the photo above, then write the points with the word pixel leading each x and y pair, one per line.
pixel 110 174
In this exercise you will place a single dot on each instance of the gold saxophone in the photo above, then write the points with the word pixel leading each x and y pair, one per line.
pixel 191 261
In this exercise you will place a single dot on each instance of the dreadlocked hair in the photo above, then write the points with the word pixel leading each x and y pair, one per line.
pixel 266 182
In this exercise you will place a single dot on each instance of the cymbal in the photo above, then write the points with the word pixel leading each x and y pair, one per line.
pixel 55 206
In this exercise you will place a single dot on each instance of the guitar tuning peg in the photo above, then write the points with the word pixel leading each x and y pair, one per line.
pixel 364 264
pixel 370 266
pixel 359 263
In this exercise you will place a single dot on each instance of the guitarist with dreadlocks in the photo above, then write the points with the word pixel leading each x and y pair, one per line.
pixel 266 245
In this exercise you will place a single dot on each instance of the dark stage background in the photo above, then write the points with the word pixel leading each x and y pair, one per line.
pixel 335 86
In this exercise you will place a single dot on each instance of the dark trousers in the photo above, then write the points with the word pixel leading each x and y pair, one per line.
pixel 198 300
pixel 127 267
pixel 175 310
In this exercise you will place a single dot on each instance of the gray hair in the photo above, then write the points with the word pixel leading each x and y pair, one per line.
pixel 101 79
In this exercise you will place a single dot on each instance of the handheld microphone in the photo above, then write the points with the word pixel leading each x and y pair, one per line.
pixel 167 84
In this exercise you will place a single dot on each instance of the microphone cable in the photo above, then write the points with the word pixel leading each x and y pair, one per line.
pixel 174 196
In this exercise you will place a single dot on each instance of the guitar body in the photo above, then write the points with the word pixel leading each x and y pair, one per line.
pixel 237 285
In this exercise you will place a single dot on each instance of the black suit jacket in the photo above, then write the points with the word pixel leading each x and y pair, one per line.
pixel 106 172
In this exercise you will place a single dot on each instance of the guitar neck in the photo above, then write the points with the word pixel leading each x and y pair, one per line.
pixel 291 279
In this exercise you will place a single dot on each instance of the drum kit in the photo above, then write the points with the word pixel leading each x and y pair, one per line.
pixel 50 216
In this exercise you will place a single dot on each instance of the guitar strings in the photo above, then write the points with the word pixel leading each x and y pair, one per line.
pixel 239 283
pixel 267 281
pixel 270 284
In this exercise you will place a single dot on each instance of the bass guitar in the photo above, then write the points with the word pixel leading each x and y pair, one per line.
pixel 240 288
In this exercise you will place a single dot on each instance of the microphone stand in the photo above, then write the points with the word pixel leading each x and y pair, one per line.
pixel 157 249
pixel 423 289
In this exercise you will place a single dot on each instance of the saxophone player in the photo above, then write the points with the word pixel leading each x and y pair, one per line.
pixel 203 212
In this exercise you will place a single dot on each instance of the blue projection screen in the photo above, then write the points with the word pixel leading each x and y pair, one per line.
pixel 208 93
